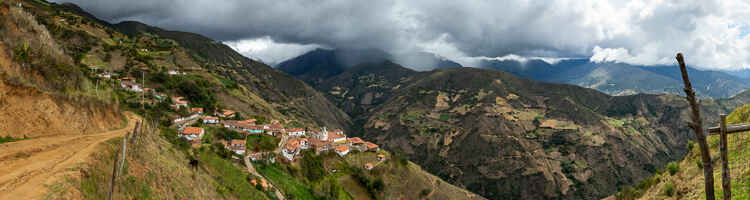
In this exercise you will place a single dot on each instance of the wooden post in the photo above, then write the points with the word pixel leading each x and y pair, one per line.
pixel 114 176
pixel 725 177
pixel 697 126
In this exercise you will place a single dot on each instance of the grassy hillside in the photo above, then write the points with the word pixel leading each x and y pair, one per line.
pixel 684 179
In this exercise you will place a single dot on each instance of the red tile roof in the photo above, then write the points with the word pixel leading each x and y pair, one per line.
pixel 371 145
pixel 356 140
pixel 192 131
pixel 242 142
pixel 196 109
pixel 210 118
pixel 342 148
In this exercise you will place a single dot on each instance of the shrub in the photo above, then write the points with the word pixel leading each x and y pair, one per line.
pixel 690 145
pixel 425 192
pixel 673 167
pixel 699 163
pixel 669 189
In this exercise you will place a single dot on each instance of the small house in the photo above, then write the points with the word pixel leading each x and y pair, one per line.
pixel 192 133
pixel 342 150
pixel 296 132
pixel 337 136
pixel 255 129
pixel 357 143
pixel 320 145
pixel 276 129
pixel 132 86
pixel 210 120
pixel 106 75
pixel 237 146
pixel 179 102
pixel 368 166
pixel 196 110
pixel 149 90
pixel 226 113
pixel 291 149
pixel 175 72
pixel 381 157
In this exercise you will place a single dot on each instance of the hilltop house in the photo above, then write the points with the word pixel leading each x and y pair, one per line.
pixel 371 146
pixel 342 150
pixel 237 146
pixel 196 110
pixel 381 157
pixel 192 133
pixel 296 132
pixel 131 86
pixel 368 166
pixel 210 120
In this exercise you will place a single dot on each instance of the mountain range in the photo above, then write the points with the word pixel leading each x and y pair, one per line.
pixel 623 79
pixel 507 137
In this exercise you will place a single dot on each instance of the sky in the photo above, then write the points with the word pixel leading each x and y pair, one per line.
pixel 712 34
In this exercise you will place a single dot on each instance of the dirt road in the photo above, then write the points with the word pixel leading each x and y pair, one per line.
pixel 27 166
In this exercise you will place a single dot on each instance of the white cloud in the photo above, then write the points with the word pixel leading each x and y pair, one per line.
pixel 269 51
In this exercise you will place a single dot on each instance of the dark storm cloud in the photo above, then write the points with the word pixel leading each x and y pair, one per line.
pixel 644 32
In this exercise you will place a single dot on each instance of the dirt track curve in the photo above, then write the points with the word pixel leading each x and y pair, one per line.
pixel 27 166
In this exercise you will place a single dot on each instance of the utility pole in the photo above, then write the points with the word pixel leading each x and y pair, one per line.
pixel 143 81
pixel 697 126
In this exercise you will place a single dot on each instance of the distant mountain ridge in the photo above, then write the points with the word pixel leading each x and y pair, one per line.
pixel 623 79
pixel 317 65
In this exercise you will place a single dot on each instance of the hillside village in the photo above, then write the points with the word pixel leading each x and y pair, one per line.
pixel 290 140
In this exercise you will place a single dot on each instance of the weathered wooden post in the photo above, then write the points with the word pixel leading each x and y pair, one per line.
pixel 114 176
pixel 726 183
pixel 697 126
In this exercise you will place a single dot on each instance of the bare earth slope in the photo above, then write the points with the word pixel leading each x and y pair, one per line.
pixel 27 166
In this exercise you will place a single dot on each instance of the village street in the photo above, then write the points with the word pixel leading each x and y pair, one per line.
pixel 251 168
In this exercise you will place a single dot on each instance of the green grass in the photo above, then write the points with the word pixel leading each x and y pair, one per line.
pixel 10 139
pixel 285 182
pixel 233 181
pixel 263 142
pixel 615 122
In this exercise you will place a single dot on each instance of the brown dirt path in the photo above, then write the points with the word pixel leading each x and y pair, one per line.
pixel 27 166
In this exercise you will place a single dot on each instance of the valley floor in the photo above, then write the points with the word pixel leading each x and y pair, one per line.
pixel 28 166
